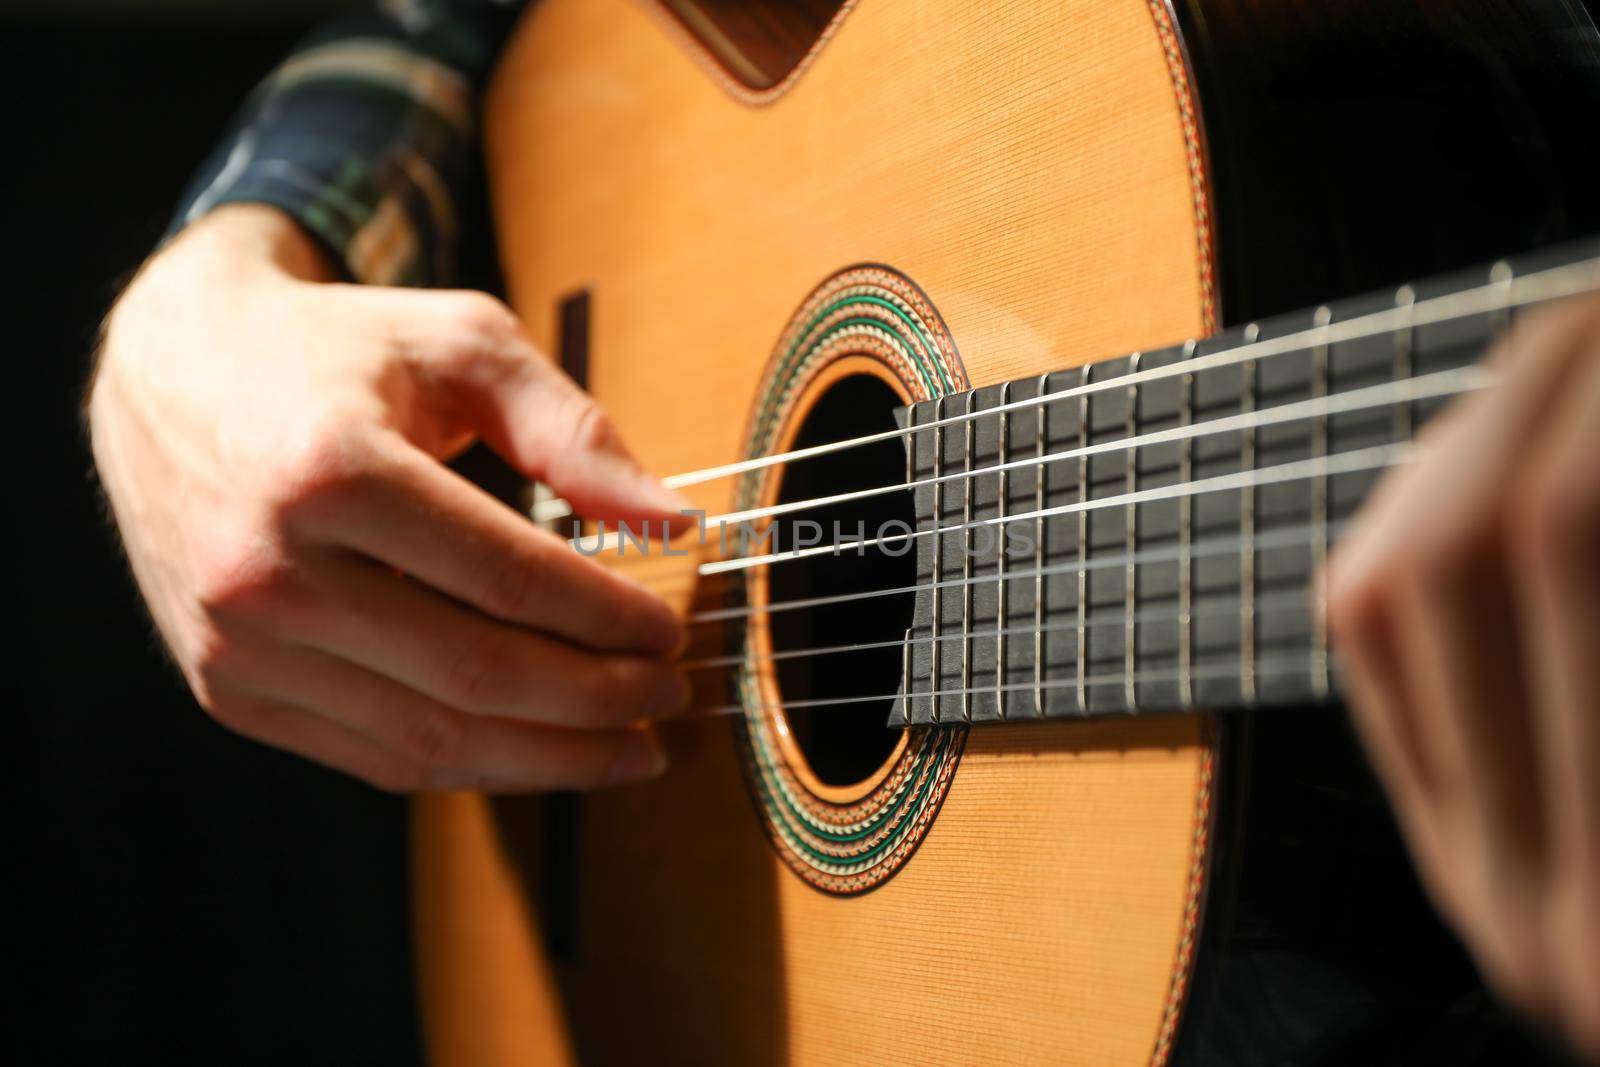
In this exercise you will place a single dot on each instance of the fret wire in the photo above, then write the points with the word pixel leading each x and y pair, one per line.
pixel 1501 276
pixel 1040 556
pixel 1500 320
pixel 1405 298
pixel 966 570
pixel 1185 522
pixel 1083 544
pixel 906 679
pixel 938 553
pixel 1320 682
pixel 1002 598
pixel 1247 531
pixel 1130 573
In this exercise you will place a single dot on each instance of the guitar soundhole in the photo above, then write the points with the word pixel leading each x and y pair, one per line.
pixel 844 743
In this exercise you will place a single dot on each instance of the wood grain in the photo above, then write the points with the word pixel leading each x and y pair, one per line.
pixel 1027 165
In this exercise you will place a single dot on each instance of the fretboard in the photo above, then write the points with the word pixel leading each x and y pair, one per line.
pixel 1144 539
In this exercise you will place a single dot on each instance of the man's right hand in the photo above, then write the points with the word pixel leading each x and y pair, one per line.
pixel 271 444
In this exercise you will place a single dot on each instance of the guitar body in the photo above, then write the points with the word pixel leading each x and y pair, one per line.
pixel 1038 185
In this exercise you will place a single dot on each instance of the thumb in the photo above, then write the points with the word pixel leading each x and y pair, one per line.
pixel 537 418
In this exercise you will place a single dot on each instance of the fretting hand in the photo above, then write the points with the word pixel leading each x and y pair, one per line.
pixel 271 446
pixel 1466 605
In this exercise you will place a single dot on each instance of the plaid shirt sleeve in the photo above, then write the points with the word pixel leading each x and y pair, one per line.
pixel 366 135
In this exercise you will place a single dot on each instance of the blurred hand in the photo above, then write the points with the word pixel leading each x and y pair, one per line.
pixel 271 446
pixel 1466 606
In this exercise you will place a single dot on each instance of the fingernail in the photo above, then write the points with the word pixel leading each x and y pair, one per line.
pixel 671 696
pixel 641 759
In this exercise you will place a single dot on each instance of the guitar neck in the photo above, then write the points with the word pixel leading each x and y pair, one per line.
pixel 1141 535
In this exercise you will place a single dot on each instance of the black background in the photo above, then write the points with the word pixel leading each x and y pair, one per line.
pixel 187 896
pixel 181 894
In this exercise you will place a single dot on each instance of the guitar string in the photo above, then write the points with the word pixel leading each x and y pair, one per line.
pixel 1270 666
pixel 1437 385
pixel 1447 383
pixel 1502 295
pixel 1290 537
pixel 1349 462
pixel 1379 457
pixel 1425 313
pixel 1272 602
pixel 1286 600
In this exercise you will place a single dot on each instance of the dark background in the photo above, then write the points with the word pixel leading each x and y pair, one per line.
pixel 188 896
pixel 185 895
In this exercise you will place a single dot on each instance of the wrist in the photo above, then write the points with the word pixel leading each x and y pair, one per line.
pixel 250 243
pixel 224 262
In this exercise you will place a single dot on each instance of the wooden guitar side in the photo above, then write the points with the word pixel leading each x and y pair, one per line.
pixel 1038 170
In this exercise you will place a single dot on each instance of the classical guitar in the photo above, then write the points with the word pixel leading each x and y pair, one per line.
pixel 1026 359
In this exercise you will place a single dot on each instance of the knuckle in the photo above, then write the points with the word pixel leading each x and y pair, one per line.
pixel 215 659
pixel 483 316
pixel 325 459
pixel 624 691
pixel 591 427
pixel 1436 567
pixel 433 740
pixel 1358 608
pixel 581 428
pixel 616 688
pixel 238 714
pixel 600 696
pixel 481 342
pixel 243 576
pixel 513 589
pixel 476 678
pixel 591 765
pixel 1557 518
